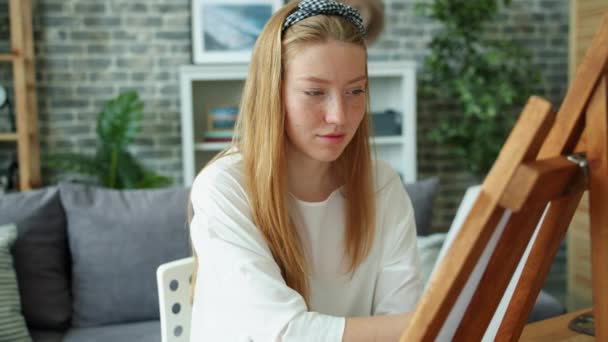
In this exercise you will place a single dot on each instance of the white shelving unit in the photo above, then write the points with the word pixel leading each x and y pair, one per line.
pixel 392 86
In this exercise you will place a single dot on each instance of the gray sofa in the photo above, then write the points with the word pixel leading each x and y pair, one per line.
pixel 86 257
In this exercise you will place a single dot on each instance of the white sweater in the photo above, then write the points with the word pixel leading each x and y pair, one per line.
pixel 240 294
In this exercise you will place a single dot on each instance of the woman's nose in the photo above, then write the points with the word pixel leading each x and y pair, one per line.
pixel 336 111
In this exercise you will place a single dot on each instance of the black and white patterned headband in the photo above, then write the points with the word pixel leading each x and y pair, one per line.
pixel 309 8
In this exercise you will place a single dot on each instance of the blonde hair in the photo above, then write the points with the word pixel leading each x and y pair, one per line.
pixel 260 138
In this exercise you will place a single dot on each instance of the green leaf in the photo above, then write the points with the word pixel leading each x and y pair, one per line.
pixel 153 180
pixel 489 80
pixel 120 120
pixel 72 162
pixel 132 174
pixel 130 171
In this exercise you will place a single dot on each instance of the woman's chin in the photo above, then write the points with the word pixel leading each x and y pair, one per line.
pixel 328 154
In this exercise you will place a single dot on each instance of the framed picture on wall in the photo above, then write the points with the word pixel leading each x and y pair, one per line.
pixel 226 30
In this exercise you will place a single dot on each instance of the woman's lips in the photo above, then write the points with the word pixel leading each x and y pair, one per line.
pixel 332 138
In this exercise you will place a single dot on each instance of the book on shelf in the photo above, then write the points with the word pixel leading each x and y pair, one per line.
pixel 218 136
pixel 214 140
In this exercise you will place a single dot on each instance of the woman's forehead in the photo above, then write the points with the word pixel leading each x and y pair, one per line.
pixel 327 60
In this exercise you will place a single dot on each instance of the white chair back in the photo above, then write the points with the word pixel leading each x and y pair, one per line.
pixel 173 280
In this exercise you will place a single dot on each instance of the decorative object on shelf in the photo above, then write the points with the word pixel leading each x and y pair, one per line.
pixel 113 166
pixel 9 180
pixel 222 118
pixel 11 174
pixel 3 96
pixel 226 30
pixel 6 103
pixel 386 123
pixel 486 79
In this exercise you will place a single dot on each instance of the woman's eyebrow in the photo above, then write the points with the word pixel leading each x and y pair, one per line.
pixel 357 79
pixel 321 80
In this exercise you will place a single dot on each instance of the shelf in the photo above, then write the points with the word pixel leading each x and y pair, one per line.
pixel 387 140
pixel 217 146
pixel 8 136
pixel 5 57
pixel 214 146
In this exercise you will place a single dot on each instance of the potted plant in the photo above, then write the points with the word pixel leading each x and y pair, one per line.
pixel 113 166
pixel 486 80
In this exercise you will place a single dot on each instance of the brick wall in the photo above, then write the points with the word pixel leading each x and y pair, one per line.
pixel 87 52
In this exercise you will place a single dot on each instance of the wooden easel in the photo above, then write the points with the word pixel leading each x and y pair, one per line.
pixel 534 169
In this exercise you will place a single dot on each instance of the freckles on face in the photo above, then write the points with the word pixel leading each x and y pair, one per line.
pixel 324 93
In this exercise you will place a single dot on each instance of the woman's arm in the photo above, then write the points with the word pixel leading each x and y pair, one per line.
pixel 376 329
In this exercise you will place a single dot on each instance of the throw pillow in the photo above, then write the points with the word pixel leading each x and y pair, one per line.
pixel 12 323
pixel 428 250
pixel 41 256
pixel 422 194
pixel 117 240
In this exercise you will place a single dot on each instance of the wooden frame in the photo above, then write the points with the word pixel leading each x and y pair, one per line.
pixel 223 32
pixel 22 57
pixel 534 181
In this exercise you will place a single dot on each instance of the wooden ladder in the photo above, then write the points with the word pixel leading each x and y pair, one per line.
pixel 26 111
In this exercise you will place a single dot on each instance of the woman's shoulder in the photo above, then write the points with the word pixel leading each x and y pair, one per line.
pixel 226 171
pixel 384 176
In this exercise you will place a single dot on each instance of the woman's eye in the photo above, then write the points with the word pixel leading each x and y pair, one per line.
pixel 313 92
pixel 357 92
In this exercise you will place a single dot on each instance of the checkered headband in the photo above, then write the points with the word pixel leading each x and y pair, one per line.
pixel 309 8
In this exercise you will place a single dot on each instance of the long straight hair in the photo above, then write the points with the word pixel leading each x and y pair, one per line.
pixel 260 139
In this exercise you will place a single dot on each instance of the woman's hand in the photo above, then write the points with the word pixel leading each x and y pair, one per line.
pixel 387 328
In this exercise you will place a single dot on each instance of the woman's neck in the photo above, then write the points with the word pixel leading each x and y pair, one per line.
pixel 310 180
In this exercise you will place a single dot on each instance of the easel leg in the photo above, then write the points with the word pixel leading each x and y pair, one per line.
pixel 546 245
pixel 500 268
pixel 597 154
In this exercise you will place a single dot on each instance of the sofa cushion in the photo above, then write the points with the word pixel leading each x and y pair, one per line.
pixel 117 240
pixel 41 256
pixel 12 323
pixel 428 250
pixel 422 193
pixel 46 335
pixel 545 307
pixel 148 331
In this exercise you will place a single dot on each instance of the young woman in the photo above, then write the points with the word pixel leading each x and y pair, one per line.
pixel 299 235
